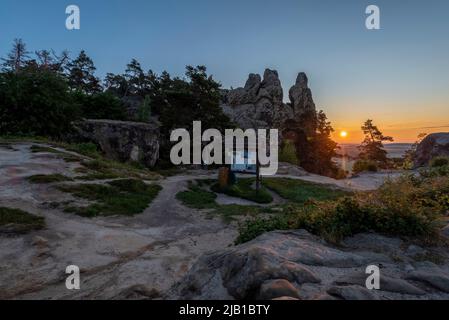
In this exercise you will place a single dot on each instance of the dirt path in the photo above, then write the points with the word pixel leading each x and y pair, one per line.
pixel 136 257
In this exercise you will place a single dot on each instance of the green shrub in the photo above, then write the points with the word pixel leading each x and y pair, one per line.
pixel 439 162
pixel 288 153
pixel 256 227
pixel 36 102
pixel 86 149
pixel 339 174
pixel 434 172
pixel 144 110
pixel 103 105
pixel 409 206
pixel 365 165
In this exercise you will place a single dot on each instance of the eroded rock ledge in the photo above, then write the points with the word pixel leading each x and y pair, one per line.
pixel 298 265
pixel 122 140
pixel 433 145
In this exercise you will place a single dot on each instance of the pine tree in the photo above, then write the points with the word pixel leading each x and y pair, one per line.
pixel 322 149
pixel 372 147
pixel 136 79
pixel 17 58
pixel 144 111
pixel 81 75
pixel 116 84
pixel 49 60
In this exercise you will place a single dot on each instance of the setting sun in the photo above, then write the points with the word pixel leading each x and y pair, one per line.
pixel 343 134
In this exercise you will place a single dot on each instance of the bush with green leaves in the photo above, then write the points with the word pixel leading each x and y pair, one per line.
pixel 365 165
pixel 144 111
pixel 87 149
pixel 288 153
pixel 36 103
pixel 407 207
pixel 433 172
pixel 258 226
pixel 102 105
pixel 439 162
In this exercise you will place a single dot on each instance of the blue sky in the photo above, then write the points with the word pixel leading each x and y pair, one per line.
pixel 398 75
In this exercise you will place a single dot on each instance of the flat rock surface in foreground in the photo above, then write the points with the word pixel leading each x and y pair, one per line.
pixel 298 265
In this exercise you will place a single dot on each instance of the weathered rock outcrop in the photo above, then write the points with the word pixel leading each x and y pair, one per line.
pixel 123 141
pixel 434 145
pixel 301 96
pixel 259 104
pixel 298 265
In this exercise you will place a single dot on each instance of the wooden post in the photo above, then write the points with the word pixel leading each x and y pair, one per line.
pixel 257 165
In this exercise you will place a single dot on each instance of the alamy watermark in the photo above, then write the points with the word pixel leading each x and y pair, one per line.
pixel 373 280
pixel 73 280
pixel 73 21
pixel 232 150
pixel 373 20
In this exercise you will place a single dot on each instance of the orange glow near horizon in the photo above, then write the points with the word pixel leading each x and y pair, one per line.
pixel 400 135
pixel 401 119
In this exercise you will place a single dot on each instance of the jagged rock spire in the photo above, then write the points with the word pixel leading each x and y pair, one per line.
pixel 301 96
pixel 261 101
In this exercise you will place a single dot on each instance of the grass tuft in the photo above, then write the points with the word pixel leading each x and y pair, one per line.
pixel 244 189
pixel 120 197
pixel 48 178
pixel 19 221
pixel 300 192
pixel 197 198
pixel 39 149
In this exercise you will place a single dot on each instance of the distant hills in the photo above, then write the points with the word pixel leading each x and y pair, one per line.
pixel 395 150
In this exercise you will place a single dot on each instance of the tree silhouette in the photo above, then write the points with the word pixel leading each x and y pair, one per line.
pixel 81 75
pixel 136 78
pixel 17 57
pixel 372 147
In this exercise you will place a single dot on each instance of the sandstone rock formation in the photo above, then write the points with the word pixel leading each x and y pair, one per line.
pixel 123 141
pixel 301 96
pixel 259 104
pixel 279 288
pixel 434 145
pixel 298 265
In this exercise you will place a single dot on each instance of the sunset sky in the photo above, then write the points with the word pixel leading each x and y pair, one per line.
pixel 398 76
